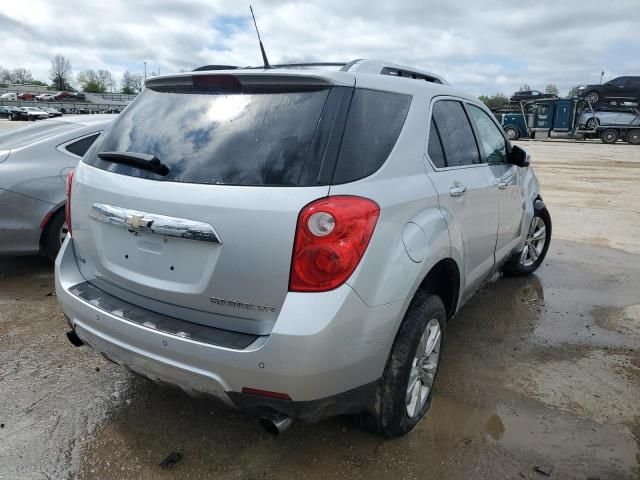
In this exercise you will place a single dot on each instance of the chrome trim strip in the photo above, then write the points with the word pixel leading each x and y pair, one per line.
pixel 136 221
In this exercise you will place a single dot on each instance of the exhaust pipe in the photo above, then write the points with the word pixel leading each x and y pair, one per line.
pixel 275 423
pixel 74 338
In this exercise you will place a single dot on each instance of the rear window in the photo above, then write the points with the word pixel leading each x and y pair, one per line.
pixel 40 131
pixel 218 137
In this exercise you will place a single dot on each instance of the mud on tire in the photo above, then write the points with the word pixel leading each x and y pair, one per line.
pixel 389 415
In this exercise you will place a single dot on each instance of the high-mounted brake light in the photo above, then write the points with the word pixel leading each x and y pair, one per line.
pixel 67 207
pixel 219 81
pixel 331 237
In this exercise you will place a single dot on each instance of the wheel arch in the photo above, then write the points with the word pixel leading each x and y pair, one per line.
pixel 47 219
pixel 444 280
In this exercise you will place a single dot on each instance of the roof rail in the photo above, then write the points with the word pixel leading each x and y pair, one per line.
pixel 359 65
pixel 387 68
pixel 313 64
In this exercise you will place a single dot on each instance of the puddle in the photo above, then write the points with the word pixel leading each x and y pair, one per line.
pixel 546 433
pixel 622 320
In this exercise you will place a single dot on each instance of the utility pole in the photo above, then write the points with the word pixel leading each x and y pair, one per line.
pixel 145 70
pixel 601 75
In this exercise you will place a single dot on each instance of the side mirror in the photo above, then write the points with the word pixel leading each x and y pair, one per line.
pixel 519 156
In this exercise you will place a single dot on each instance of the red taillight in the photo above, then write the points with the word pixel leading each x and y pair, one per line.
pixel 331 238
pixel 67 207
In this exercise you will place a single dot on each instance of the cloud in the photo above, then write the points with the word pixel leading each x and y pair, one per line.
pixel 482 46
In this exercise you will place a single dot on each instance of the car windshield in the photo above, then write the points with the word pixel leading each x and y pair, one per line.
pixel 25 136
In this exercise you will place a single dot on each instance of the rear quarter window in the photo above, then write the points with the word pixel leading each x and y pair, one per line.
pixel 372 129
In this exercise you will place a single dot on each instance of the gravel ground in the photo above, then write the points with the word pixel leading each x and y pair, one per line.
pixel 541 372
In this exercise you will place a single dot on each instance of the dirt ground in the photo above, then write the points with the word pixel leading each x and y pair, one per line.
pixel 537 372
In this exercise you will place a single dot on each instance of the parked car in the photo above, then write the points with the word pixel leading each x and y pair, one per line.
pixel 590 121
pixel 530 95
pixel 13 113
pixel 11 96
pixel 78 95
pixel 61 95
pixel 621 89
pixel 34 161
pixel 35 113
pixel 26 96
pixel 52 112
pixel 46 97
pixel 292 246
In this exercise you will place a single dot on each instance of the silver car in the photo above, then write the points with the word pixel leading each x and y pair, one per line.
pixel 295 241
pixel 34 162
pixel 591 120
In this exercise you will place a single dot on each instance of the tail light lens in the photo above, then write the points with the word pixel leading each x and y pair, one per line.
pixel 331 238
pixel 67 207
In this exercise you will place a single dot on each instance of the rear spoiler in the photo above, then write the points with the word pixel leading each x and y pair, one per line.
pixel 237 79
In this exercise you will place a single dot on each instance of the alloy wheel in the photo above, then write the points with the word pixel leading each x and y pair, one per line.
pixel 593 97
pixel 536 240
pixel 424 368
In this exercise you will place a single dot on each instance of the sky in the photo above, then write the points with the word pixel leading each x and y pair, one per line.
pixel 483 46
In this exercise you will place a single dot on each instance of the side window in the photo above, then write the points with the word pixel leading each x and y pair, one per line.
pixel 435 147
pixel 80 147
pixel 492 143
pixel 618 82
pixel 458 142
pixel 633 82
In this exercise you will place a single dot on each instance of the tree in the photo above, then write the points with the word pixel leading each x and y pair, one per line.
pixel 95 81
pixel 5 75
pixel 21 76
pixel 60 72
pixel 524 87
pixel 128 82
pixel 574 91
pixel 105 79
pixel 89 82
pixel 552 89
pixel 496 101
pixel 138 82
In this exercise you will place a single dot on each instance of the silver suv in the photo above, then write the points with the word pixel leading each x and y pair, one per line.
pixel 294 241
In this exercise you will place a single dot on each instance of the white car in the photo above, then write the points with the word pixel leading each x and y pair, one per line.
pixel 35 113
pixel 45 97
pixel 9 96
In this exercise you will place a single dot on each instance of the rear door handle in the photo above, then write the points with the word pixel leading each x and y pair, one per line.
pixel 457 191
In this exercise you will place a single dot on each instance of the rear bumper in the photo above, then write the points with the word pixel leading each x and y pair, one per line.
pixel 325 351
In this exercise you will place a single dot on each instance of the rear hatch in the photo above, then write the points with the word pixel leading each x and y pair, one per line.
pixel 209 241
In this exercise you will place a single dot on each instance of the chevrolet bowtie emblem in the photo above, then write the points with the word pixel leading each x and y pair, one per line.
pixel 136 222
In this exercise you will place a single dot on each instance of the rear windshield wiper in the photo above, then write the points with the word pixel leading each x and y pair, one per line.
pixel 137 160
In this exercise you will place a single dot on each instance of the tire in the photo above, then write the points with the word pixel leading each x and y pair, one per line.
pixel 53 235
pixel 10 117
pixel 609 136
pixel 633 137
pixel 592 123
pixel 592 97
pixel 512 133
pixel 525 263
pixel 390 416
